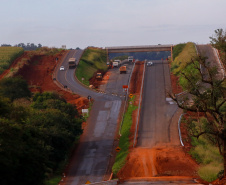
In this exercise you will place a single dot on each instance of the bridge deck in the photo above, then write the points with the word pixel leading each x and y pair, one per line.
pixel 148 48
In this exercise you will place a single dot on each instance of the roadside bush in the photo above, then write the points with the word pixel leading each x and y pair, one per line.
pixel 14 88
pixel 35 143
pixel 209 172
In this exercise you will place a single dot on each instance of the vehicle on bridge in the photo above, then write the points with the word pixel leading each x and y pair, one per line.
pixel 72 63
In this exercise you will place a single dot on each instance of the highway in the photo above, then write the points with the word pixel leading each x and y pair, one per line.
pixel 91 158
pixel 212 60
pixel 157 111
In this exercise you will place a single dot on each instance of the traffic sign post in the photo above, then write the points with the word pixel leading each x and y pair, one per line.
pixel 89 97
pixel 125 88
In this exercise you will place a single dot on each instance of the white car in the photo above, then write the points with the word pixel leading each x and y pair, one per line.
pixel 149 63
pixel 61 68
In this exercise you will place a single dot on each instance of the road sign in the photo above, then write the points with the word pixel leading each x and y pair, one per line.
pixel 88 182
pixel 125 86
pixel 118 149
pixel 85 110
pixel 131 95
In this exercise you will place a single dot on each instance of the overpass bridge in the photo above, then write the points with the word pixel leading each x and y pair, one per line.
pixel 147 48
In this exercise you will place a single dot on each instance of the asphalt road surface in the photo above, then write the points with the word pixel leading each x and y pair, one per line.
pixel 117 80
pixel 156 111
pixel 208 51
pixel 91 158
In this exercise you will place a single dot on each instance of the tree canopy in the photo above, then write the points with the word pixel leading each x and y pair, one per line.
pixel 14 88
pixel 35 135
pixel 205 93
pixel 219 42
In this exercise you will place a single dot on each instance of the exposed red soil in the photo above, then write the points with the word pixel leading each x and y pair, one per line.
pixel 176 88
pixel 219 181
pixel 38 71
pixel 96 82
pixel 161 161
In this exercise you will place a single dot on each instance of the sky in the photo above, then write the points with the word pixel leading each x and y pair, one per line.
pixel 103 23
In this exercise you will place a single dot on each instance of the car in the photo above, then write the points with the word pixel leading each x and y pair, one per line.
pixel 61 68
pixel 149 63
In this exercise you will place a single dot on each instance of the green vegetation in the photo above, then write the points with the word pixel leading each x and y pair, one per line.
pixel 207 154
pixel 205 150
pixel 14 88
pixel 177 50
pixel 207 98
pixel 8 55
pixel 124 139
pixel 182 65
pixel 93 59
pixel 182 56
pixel 36 135
pixel 219 42
pixel 53 181
pixel 47 51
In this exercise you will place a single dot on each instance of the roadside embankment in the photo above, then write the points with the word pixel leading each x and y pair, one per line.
pixel 92 61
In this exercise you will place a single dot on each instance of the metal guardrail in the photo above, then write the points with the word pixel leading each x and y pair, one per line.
pixel 110 182
pixel 179 121
pixel 220 62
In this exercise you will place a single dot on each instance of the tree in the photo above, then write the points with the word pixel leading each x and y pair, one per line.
pixel 14 88
pixel 35 138
pixel 205 93
pixel 219 42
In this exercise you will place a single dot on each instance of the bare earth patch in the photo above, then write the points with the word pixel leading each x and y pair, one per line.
pixel 38 70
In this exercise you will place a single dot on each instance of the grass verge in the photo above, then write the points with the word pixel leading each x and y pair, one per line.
pixel 53 181
pixel 93 59
pixel 8 55
pixel 183 54
pixel 124 143
pixel 205 153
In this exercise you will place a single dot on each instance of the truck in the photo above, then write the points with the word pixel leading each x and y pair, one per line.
pixel 99 76
pixel 130 59
pixel 72 62
pixel 116 63
pixel 122 69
